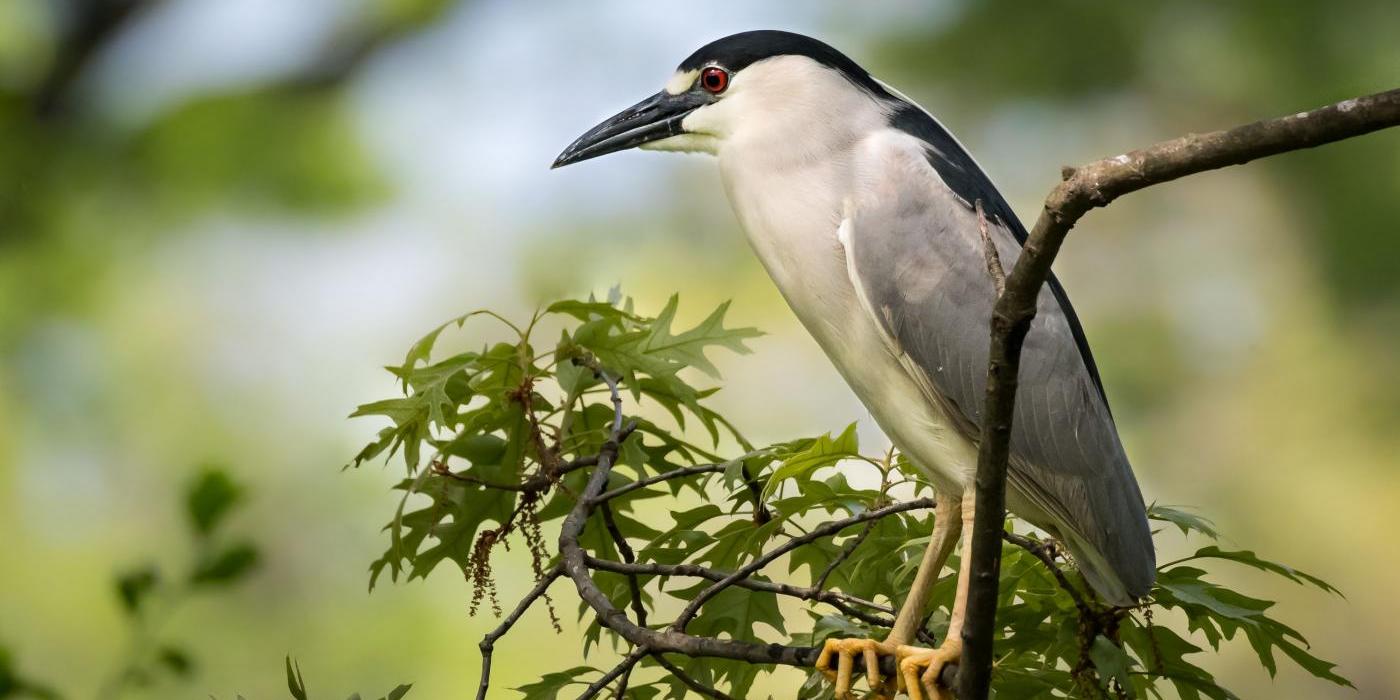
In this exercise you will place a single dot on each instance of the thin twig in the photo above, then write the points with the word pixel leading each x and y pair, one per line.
pixel 847 604
pixel 634 588
pixel 1041 551
pixel 689 680
pixel 817 533
pixel 845 554
pixel 488 642
pixel 624 666
pixel 656 479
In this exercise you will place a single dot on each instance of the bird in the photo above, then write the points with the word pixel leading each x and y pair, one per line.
pixel 873 221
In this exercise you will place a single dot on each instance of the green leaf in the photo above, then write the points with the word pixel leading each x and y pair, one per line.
pixel 176 660
pixel 295 684
pixel 1250 559
pixel 736 612
pixel 822 452
pixel 549 684
pixel 423 349
pixel 688 348
pixel 13 685
pixel 212 495
pixel 1186 522
pixel 134 586
pixel 1110 660
pixel 226 566
pixel 399 692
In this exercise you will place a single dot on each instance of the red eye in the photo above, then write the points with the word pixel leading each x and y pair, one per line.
pixel 714 80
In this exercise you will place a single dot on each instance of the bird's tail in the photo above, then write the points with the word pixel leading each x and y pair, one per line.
pixel 1105 578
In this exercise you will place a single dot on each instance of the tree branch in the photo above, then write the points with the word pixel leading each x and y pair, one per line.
pixel 622 668
pixel 656 479
pixel 848 604
pixel 690 682
pixel 1096 185
pixel 488 643
pixel 634 588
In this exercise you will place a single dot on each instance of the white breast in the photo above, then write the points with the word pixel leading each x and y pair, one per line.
pixel 792 211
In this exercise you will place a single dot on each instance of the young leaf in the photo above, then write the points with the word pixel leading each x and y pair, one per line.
pixel 134 586
pixel 1186 522
pixel 176 660
pixel 295 684
pixel 822 452
pixel 210 498
pixel 226 566
pixel 1250 559
pixel 398 692
pixel 550 684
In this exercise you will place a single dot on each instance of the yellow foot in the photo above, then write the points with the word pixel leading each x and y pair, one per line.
pixel 846 651
pixel 919 669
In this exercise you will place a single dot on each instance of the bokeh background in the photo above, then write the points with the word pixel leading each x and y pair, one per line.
pixel 219 218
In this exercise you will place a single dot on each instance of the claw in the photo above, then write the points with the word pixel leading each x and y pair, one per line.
pixel 845 651
pixel 919 669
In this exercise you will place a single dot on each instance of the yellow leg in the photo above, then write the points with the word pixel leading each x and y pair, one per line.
pixel 919 667
pixel 946 526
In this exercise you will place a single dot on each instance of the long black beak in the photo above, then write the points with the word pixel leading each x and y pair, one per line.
pixel 655 118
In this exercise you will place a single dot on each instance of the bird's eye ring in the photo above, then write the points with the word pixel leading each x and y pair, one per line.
pixel 714 80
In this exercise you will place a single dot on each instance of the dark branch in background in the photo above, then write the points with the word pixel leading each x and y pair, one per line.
pixel 1096 185
pixel 91 25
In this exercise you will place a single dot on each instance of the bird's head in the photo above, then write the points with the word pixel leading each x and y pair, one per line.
pixel 766 89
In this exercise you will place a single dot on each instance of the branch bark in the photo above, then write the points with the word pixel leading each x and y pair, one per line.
pixel 1096 185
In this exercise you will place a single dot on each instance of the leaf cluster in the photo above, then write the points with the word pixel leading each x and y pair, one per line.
pixel 510 430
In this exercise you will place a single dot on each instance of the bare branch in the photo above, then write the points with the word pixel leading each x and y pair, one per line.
pixel 658 478
pixel 690 682
pixel 845 554
pixel 848 604
pixel 752 567
pixel 623 667
pixel 1042 551
pixel 488 643
pixel 633 587
pixel 1096 185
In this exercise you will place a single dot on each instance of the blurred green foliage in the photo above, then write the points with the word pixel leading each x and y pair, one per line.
pixel 149 596
pixel 17 686
pixel 506 427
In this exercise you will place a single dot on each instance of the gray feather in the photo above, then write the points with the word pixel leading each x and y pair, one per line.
pixel 917 257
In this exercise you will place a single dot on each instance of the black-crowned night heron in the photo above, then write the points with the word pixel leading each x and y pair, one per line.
pixel 863 209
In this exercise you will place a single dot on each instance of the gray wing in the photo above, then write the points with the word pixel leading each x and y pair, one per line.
pixel 916 256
